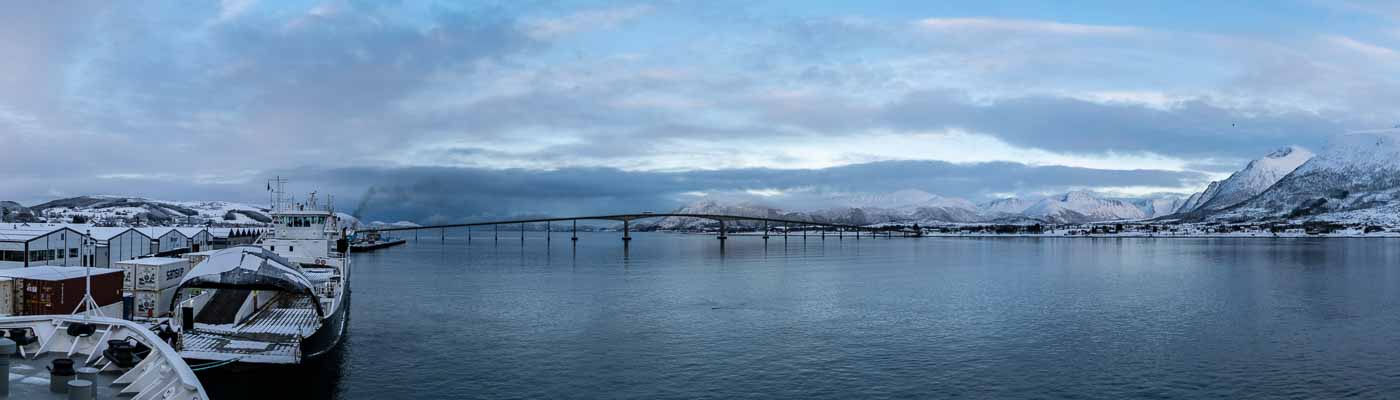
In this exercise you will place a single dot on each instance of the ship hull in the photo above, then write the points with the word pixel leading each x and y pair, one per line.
pixel 332 330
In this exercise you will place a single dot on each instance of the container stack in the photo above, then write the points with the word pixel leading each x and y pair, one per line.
pixel 151 283
pixel 50 290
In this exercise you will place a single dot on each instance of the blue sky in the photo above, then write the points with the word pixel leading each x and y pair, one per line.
pixel 748 100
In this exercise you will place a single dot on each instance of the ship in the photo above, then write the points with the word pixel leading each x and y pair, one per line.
pixel 283 300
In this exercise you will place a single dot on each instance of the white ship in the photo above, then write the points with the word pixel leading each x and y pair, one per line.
pixel 283 300
pixel 111 358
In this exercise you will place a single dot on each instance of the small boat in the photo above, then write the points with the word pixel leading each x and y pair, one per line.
pixel 113 358
pixel 372 241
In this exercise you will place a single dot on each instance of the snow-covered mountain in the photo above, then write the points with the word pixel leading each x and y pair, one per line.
pixel 1158 206
pixel 382 224
pixel 927 209
pixel 1082 206
pixel 1255 178
pixel 1356 179
pixel 121 210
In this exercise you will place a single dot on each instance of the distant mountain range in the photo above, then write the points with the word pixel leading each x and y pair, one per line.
pixel 1356 180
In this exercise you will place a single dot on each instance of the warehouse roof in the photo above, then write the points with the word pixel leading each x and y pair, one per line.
pixel 53 273
pixel 23 233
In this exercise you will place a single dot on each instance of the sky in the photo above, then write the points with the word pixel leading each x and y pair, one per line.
pixel 451 111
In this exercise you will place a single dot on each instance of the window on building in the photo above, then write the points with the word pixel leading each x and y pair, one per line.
pixel 72 252
pixel 12 255
pixel 291 248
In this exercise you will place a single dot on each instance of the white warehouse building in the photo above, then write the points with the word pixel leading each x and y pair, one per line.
pixel 114 245
pixel 26 246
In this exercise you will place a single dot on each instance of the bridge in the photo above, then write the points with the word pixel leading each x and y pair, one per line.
pixel 769 224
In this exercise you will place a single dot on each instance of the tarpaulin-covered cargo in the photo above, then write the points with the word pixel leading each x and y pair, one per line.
pixel 59 290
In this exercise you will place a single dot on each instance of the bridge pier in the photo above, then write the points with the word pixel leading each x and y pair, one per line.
pixel 765 230
pixel 626 229
pixel 574 232
pixel 522 233
pixel 721 231
pixel 498 232
pixel 443 232
pixel 548 231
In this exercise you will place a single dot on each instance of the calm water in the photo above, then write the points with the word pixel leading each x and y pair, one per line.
pixel 899 318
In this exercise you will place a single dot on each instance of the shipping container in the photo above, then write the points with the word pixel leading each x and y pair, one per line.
pixel 7 297
pixel 152 303
pixel 153 273
pixel 52 290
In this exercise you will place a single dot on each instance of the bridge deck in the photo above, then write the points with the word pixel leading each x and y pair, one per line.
pixel 630 217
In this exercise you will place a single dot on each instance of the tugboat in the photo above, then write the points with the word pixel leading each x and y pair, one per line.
pixel 283 300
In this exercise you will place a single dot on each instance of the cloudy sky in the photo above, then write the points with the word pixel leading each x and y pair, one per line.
pixel 459 110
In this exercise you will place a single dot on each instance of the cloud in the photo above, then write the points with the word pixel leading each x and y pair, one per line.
pixel 547 28
pixel 1020 26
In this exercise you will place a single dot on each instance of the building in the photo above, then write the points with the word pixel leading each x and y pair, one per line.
pixel 166 240
pixel 198 239
pixel 23 245
pixel 112 245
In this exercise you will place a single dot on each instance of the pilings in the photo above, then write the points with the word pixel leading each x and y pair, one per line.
pixel 626 230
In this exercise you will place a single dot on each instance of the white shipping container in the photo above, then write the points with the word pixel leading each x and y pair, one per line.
pixel 153 273
pixel 7 296
pixel 152 303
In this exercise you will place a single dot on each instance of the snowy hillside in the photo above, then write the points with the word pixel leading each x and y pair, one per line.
pixel 131 210
pixel 1255 178
pixel 1158 207
pixel 1081 206
pixel 1357 178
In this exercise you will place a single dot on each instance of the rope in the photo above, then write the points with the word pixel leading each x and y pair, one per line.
pixel 212 365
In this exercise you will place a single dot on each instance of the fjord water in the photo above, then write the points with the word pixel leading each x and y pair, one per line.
pixel 875 318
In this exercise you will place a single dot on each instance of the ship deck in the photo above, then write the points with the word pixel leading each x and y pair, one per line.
pixel 29 379
pixel 273 336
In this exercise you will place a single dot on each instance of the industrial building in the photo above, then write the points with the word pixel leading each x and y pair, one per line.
pixel 197 239
pixel 112 245
pixel 25 246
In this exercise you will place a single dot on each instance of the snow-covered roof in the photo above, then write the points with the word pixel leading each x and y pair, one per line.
pixel 190 232
pixel 25 233
pixel 158 231
pixel 53 273
pixel 153 261
pixel 106 233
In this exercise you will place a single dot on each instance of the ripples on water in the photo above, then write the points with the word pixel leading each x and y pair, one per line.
pixel 887 318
